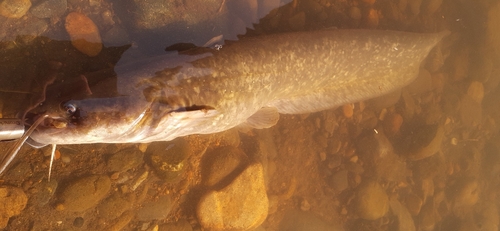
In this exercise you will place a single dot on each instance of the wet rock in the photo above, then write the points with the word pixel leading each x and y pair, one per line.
pixel 371 202
pixel 115 205
pixel 43 192
pixel 14 8
pixel 85 193
pixel 158 209
pixel 168 158
pixel 124 160
pixel 296 220
pixel 49 8
pixel 84 34
pixel 12 202
pixel 180 225
pixel 220 164
pixel 242 205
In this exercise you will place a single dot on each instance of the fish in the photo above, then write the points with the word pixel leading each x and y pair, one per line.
pixel 246 83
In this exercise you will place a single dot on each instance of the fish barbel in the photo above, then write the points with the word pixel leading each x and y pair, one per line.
pixel 246 82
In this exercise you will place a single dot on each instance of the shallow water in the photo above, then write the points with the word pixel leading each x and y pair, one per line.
pixel 426 157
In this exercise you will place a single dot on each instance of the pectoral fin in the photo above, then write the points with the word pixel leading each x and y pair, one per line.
pixel 264 118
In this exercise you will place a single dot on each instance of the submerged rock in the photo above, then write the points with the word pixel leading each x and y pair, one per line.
pixel 84 34
pixel 168 158
pixel 14 8
pixel 12 202
pixel 85 193
pixel 242 205
pixel 371 201
pixel 158 209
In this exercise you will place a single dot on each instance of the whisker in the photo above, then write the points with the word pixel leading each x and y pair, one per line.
pixel 12 152
pixel 52 156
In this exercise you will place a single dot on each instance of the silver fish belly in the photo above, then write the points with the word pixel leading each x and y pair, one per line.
pixel 247 82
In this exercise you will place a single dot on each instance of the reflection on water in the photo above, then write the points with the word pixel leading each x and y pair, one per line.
pixel 425 157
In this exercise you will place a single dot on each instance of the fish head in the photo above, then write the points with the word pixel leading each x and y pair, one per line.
pixel 121 120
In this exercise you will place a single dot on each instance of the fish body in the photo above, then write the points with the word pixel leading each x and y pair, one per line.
pixel 246 82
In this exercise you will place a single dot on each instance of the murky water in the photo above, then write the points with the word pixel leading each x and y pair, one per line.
pixel 425 157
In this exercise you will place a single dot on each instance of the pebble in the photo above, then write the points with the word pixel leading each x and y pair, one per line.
pixel 84 34
pixel 220 163
pixel 371 201
pixel 155 210
pixel 348 110
pixel 12 201
pixel 372 19
pixel 84 193
pixel 49 8
pixel 168 158
pixel 14 8
pixel 242 205
pixel 125 160
pixel 392 123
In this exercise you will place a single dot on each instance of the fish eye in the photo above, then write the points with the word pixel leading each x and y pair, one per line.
pixel 69 108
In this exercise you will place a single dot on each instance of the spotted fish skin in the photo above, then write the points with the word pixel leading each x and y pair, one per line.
pixel 247 82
